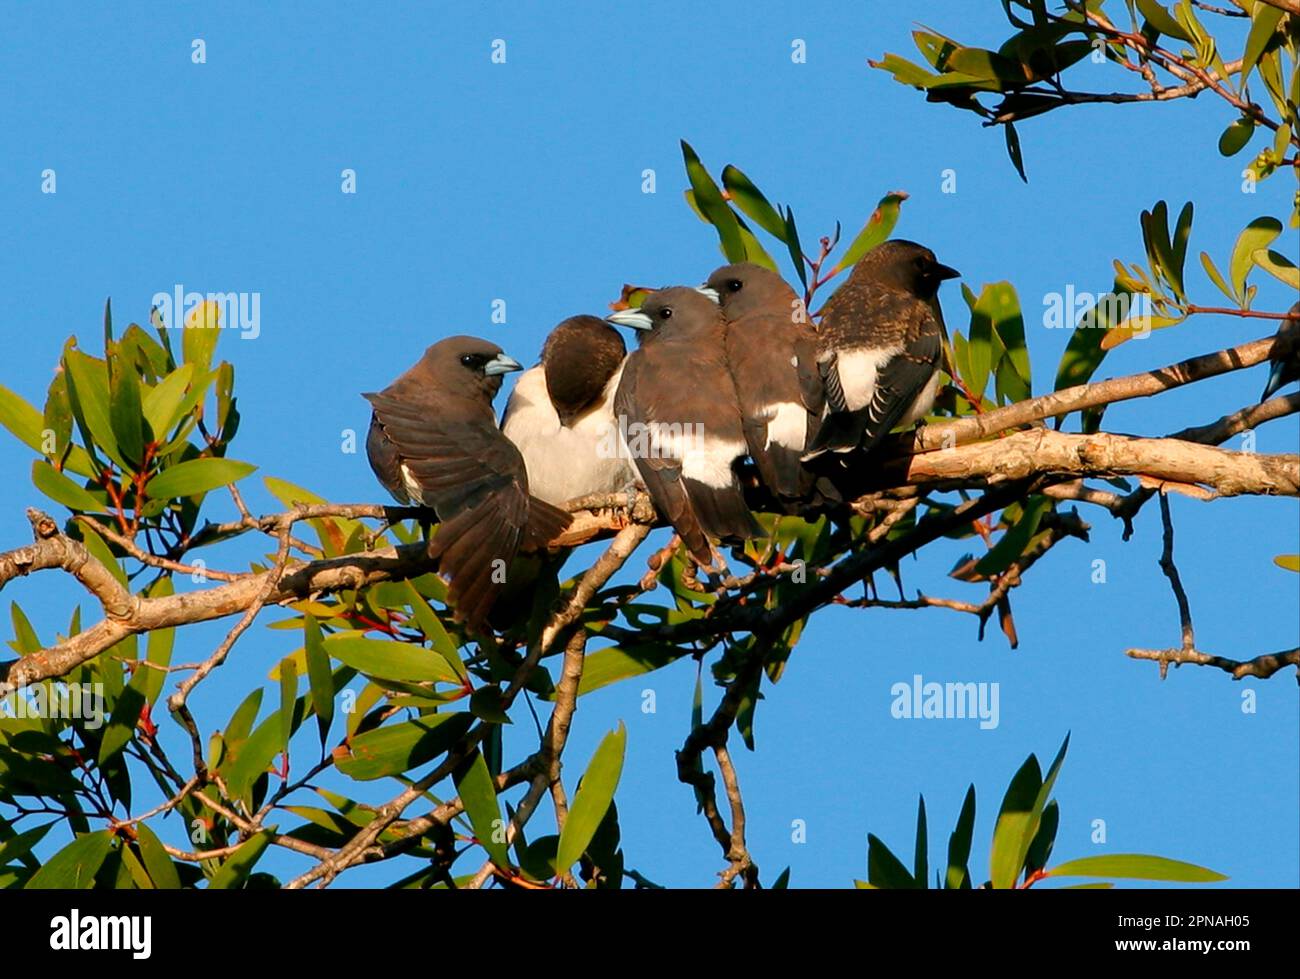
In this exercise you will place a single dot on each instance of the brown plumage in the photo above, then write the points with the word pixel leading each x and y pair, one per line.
pixel 682 419
pixel 433 441
pixel 578 359
pixel 881 339
pixel 772 356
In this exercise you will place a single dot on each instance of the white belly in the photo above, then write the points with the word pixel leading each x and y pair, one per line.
pixel 565 463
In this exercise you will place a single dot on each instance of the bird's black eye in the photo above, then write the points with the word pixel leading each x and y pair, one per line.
pixel 735 285
pixel 467 360
pixel 666 313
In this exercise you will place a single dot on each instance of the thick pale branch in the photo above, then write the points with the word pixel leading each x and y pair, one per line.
pixel 945 435
pixel 1042 452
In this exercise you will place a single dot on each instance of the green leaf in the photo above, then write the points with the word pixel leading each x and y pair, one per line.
pixel 1216 277
pixel 57 419
pixel 711 204
pixel 288 697
pixel 248 759
pixel 886 870
pixel 162 405
pixel 199 338
pixel 19 846
pixel 1137 866
pixel 74 867
pixel 319 675
pixel 959 844
pixel 125 412
pixel 754 250
pixel 61 489
pixel 1263 25
pixel 389 659
pixel 1279 266
pixel 435 631
pixel 1012 834
pixel 795 249
pixel 485 703
pixel 1160 18
pixel 594 795
pixel 920 860
pixel 396 748
pixel 235 869
pixel 88 392
pixel 1236 136
pixel 751 201
pixel 1040 850
pixel 1259 234
pixel 1013 149
pixel 102 553
pixel 161 869
pixel 979 348
pixel 1015 540
pixel 22 420
pixel 615 663
pixel 195 477
pixel 158 650
pixel 877 230
pixel 479 795
pixel 904 71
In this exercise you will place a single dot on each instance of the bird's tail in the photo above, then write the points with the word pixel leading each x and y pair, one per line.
pixel 840 431
pixel 722 513
pixel 1277 379
pixel 545 523
pixel 474 555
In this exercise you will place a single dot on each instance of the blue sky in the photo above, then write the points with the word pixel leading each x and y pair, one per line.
pixel 523 181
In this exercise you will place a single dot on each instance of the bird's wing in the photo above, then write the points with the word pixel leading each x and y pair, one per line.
pixel 901 379
pixel 474 479
pixel 636 403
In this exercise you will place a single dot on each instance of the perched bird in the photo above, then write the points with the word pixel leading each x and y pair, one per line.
pixel 433 441
pixel 680 418
pixel 1286 366
pixel 881 342
pixel 772 355
pixel 561 414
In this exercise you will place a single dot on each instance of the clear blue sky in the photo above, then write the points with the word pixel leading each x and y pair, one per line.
pixel 522 181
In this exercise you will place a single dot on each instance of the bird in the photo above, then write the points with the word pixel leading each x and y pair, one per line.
pixel 433 441
pixel 680 420
pixel 1285 366
pixel 881 343
pixel 561 414
pixel 772 356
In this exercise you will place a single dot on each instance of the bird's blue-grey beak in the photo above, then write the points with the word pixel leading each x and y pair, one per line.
pixel 501 364
pixel 709 294
pixel 946 272
pixel 633 318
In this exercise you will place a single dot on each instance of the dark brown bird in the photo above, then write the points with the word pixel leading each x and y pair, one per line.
pixel 433 441
pixel 561 414
pixel 680 418
pixel 772 355
pixel 881 343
